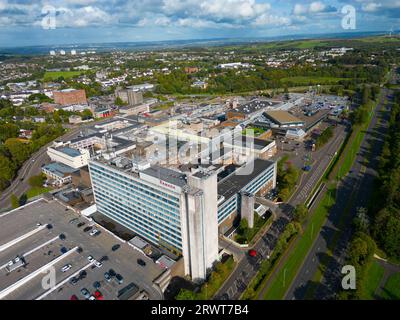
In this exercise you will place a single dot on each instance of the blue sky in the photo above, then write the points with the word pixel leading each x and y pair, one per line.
pixel 80 21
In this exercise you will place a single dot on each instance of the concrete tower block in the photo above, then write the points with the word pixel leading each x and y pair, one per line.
pixel 247 208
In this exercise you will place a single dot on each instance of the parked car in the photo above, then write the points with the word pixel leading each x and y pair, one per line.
pixel 98 295
pixel 80 224
pixel 66 268
pixel 73 297
pixel 104 258
pixel 87 229
pixel 73 281
pixel 107 276
pixel 90 259
pixel 85 292
pixel 92 298
pixel 96 285
pixel 112 273
pixel 82 274
pixel 141 262
pixel 63 250
pixel 93 232
pixel 98 264
pixel 115 247
pixel 252 253
pixel 119 278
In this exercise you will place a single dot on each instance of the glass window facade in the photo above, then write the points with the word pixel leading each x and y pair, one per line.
pixel 146 210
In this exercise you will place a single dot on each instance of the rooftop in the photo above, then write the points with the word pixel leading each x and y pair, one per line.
pixel 59 169
pixel 283 117
pixel 235 183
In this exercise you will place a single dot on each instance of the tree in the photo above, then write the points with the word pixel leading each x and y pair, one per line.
pixel 14 201
pixel 186 295
pixel 87 114
pixel 7 168
pixel 8 130
pixel 300 213
pixel 20 151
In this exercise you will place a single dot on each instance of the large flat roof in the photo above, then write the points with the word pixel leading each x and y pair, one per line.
pixel 283 117
pixel 234 183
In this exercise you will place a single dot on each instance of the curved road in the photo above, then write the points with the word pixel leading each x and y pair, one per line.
pixel 33 167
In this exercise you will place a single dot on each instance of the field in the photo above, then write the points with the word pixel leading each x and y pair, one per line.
pixel 52 75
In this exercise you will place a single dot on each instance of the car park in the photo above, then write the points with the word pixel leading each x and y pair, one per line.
pixel 66 268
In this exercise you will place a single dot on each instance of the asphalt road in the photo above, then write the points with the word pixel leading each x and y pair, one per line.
pixel 33 167
pixel 248 267
pixel 353 192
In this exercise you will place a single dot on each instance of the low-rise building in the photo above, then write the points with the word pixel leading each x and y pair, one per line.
pixel 73 158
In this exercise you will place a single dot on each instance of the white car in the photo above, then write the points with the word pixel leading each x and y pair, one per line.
pixel 98 264
pixel 93 232
pixel 92 298
pixel 90 258
pixel 66 268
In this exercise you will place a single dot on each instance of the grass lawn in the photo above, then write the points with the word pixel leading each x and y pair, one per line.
pixel 35 191
pixel 373 277
pixel 52 75
pixel 391 291
pixel 287 273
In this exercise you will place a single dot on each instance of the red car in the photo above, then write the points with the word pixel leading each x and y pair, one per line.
pixel 98 295
pixel 252 253
pixel 73 297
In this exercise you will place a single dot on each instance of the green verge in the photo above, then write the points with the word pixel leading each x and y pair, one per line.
pixel 287 273
pixel 374 274
pixel 35 191
pixel 350 152
pixel 391 291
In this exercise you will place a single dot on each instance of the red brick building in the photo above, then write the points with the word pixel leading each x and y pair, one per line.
pixel 70 96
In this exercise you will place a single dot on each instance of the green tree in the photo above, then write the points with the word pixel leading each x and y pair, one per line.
pixel 300 213
pixel 19 151
pixel 14 201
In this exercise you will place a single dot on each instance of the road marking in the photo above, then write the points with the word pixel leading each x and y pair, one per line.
pixel 33 250
pixel 29 277
pixel 64 281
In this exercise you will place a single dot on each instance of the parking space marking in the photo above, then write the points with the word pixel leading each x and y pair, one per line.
pixel 23 237
pixel 64 281
pixel 35 273
pixel 33 250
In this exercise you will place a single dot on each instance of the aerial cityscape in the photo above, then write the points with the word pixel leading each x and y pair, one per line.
pixel 234 150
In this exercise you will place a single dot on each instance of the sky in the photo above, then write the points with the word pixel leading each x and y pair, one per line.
pixel 54 22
